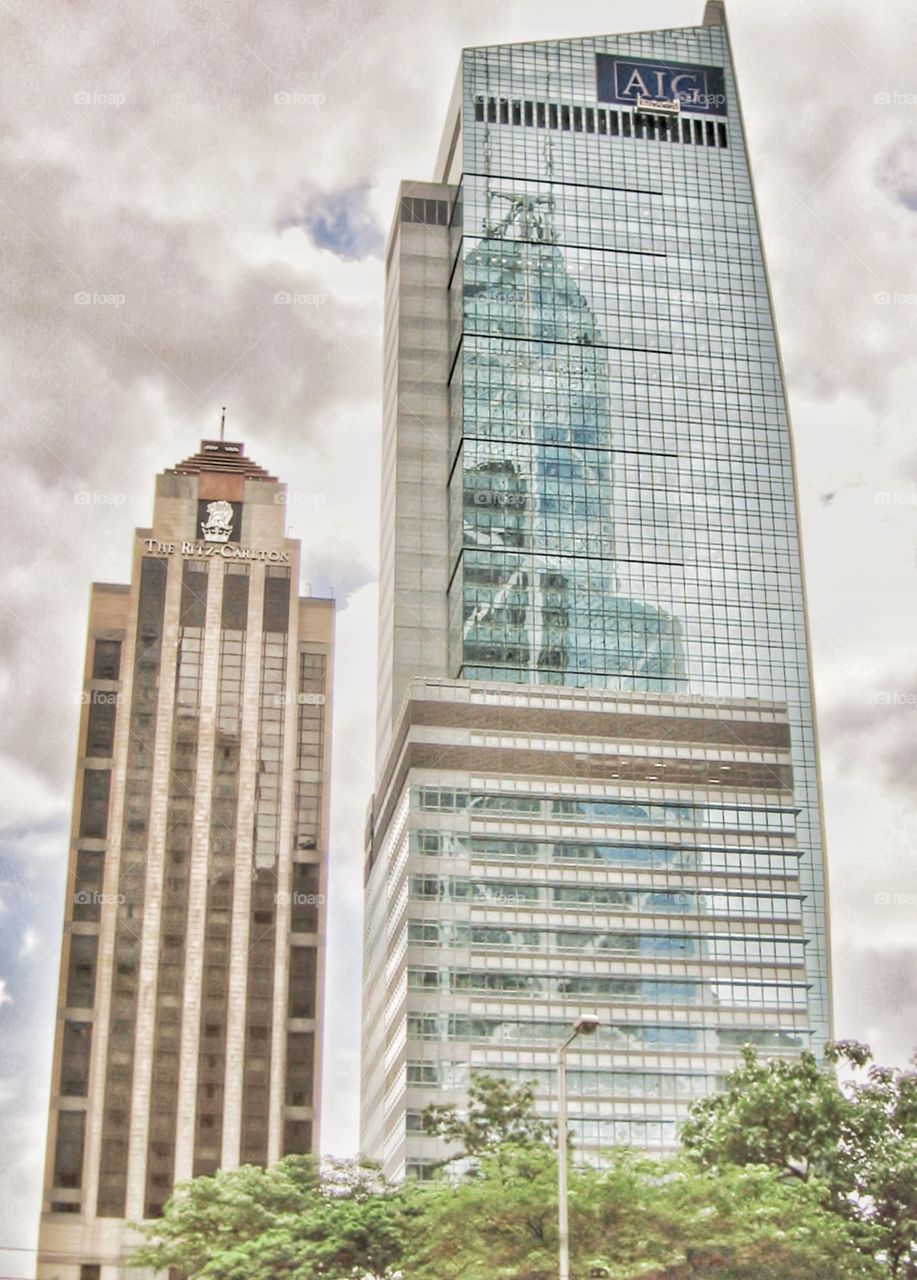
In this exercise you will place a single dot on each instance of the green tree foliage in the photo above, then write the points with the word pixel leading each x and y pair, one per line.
pixel 786 1175
pixel 637 1219
pixel 497 1114
pixel 855 1137
pixel 334 1221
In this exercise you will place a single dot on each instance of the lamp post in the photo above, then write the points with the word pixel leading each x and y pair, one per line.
pixel 585 1025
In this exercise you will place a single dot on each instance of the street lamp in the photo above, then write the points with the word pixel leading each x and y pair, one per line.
pixel 585 1025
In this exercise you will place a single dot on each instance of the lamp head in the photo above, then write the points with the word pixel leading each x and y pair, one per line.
pixel 586 1025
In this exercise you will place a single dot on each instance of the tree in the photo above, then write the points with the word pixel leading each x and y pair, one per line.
pixel 640 1217
pixel 785 1113
pixel 498 1114
pixel 787 1175
pixel 856 1138
pixel 300 1219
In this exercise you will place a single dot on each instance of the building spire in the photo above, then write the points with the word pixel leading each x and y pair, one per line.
pixel 223 424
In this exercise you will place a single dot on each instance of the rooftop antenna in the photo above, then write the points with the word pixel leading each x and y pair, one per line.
pixel 223 424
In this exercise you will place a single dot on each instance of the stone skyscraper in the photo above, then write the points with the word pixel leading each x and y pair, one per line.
pixel 597 785
pixel 190 1009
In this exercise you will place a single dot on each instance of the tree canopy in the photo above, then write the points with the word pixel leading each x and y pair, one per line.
pixel 854 1135
pixel 298 1218
pixel 787 1173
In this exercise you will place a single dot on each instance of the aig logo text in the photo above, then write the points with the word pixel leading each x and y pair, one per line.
pixel 700 89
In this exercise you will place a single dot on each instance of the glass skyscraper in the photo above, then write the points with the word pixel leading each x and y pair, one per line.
pixel 597 784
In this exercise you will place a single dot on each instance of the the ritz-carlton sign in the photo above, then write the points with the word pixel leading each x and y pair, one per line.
pixel 228 551
pixel 217 530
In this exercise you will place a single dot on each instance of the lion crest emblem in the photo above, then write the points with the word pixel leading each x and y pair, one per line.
pixel 218 525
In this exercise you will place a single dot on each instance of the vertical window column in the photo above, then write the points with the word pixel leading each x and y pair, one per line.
pixel 119 1064
pixel 173 922
pixel 262 936
pixel 223 814
pixel 306 913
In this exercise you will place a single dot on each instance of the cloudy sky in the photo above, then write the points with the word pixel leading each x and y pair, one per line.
pixel 170 168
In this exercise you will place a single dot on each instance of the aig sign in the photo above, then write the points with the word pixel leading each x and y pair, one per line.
pixel 624 81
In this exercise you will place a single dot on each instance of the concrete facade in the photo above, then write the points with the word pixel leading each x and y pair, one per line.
pixel 190 1011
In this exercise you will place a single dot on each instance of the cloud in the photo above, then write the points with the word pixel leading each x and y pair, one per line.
pixel 164 161
pixel 342 222
pixel 870 731
pixel 336 565
pixel 877 999
pixel 898 172
pixel 839 250
pixel 29 944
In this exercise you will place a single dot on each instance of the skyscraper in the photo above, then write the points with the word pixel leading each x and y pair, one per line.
pixel 597 785
pixel 190 1009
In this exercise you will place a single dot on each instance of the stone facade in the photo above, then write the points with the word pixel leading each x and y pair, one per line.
pixel 190 1011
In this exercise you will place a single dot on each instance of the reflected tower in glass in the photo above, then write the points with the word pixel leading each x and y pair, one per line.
pixel 597 784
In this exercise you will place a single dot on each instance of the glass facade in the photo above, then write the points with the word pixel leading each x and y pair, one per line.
pixel 622 506
pixel 636 832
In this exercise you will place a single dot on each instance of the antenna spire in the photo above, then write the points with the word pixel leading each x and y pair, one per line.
pixel 223 424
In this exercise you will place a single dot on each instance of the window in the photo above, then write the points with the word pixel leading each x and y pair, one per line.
pixel 75 1054
pixel 235 598
pixel 100 731
pixel 81 976
pixel 302 982
pixel 68 1150
pixel 304 912
pixel 276 603
pixel 297 1137
pixel 194 591
pixel 106 660
pixel 94 807
pixel 300 1056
